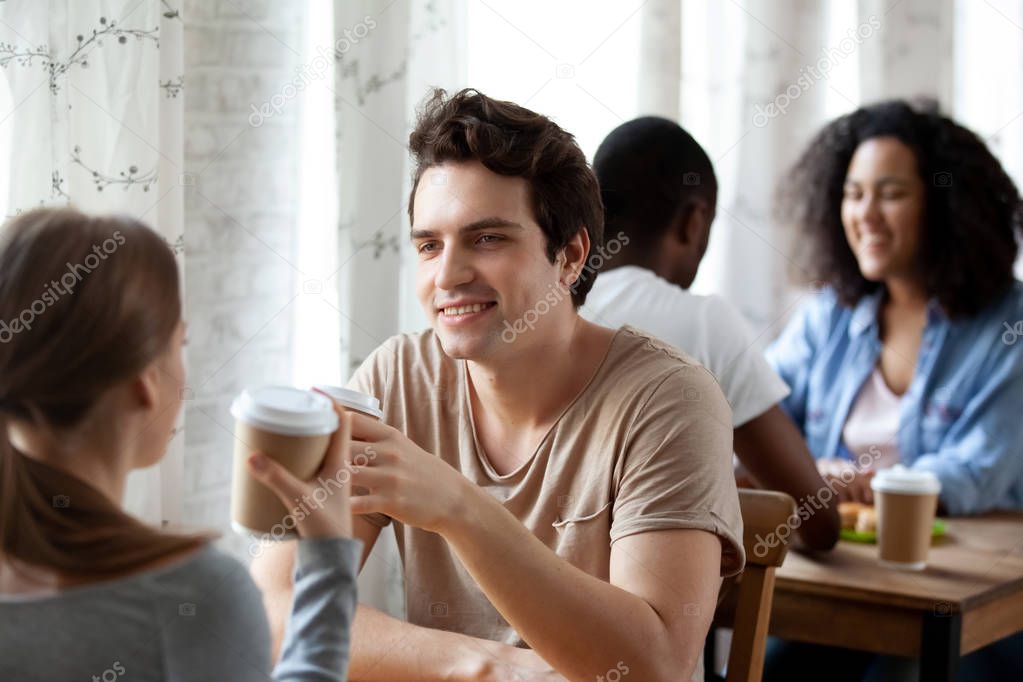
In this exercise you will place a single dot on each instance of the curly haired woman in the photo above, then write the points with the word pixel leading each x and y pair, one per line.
pixel 904 356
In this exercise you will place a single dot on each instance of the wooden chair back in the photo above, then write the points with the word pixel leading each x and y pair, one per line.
pixel 747 610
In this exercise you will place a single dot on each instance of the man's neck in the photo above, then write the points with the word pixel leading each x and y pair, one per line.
pixel 533 387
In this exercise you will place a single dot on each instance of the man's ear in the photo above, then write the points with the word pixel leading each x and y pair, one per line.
pixel 575 254
pixel 145 387
pixel 693 222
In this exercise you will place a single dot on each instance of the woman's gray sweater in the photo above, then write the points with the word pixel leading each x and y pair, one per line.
pixel 197 620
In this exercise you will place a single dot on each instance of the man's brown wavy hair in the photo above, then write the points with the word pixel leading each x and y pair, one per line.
pixel 512 140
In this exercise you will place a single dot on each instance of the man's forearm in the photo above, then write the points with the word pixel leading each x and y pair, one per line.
pixel 581 624
pixel 386 649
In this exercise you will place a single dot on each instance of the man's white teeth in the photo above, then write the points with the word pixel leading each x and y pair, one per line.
pixel 463 309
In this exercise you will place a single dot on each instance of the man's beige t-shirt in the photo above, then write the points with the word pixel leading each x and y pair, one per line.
pixel 646 445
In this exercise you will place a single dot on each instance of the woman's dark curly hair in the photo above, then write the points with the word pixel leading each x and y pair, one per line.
pixel 972 210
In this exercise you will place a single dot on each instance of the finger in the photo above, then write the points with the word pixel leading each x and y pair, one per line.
pixel 279 480
pixel 369 428
pixel 367 504
pixel 362 453
pixel 340 443
pixel 373 479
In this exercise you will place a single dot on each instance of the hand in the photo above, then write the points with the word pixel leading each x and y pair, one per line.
pixel 403 481
pixel 509 664
pixel 850 483
pixel 334 517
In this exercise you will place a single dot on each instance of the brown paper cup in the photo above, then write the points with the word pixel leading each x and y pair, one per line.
pixel 290 426
pixel 255 509
pixel 906 502
pixel 356 402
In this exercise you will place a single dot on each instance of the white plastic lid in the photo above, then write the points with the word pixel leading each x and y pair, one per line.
pixel 899 479
pixel 285 410
pixel 353 399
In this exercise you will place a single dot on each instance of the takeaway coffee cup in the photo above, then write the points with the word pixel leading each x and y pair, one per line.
pixel 906 501
pixel 354 400
pixel 292 427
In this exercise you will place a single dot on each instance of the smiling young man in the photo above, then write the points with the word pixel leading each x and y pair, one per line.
pixel 563 497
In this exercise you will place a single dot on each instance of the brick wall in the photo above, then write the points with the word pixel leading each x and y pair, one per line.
pixel 240 239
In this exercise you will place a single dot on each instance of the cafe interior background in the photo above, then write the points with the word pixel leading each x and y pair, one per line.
pixel 267 142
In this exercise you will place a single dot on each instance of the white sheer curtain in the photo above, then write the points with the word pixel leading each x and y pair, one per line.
pixel 754 100
pixel 93 119
pixel 988 79
pixel 967 55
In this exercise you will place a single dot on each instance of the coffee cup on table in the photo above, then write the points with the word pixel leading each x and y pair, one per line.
pixel 290 426
pixel 906 501
pixel 354 400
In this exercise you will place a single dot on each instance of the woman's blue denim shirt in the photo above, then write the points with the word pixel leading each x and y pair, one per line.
pixel 961 417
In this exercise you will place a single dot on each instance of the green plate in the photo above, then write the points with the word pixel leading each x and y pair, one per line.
pixel 870 538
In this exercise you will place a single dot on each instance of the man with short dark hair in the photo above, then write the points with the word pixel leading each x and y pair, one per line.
pixel 660 193
pixel 552 484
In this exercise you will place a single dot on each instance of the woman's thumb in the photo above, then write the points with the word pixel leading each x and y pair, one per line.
pixel 275 477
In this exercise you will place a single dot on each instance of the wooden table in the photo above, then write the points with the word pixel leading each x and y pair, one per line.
pixel 970 594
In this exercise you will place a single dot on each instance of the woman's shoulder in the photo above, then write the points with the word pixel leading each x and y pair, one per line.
pixel 996 333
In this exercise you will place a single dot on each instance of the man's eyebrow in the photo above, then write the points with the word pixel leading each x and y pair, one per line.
pixel 475 226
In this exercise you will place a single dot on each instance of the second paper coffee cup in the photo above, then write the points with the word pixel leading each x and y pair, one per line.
pixel 906 501
pixel 357 402
pixel 354 400
pixel 288 425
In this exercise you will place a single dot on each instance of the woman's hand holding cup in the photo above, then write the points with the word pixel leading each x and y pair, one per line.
pixel 315 514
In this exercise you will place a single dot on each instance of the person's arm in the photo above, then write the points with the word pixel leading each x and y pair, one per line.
pixel 318 633
pixel 651 619
pixel 385 648
pixel 771 448
pixel 273 572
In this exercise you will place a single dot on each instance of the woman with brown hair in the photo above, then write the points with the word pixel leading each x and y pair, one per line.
pixel 91 377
